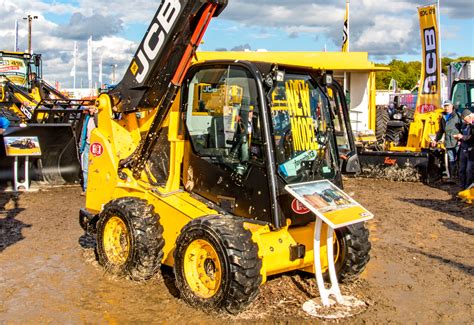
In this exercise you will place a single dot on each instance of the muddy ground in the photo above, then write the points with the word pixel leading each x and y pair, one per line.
pixel 421 268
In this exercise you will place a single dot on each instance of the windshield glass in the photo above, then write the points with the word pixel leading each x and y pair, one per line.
pixel 301 125
pixel 14 69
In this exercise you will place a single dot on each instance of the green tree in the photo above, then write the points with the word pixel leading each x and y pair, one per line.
pixel 407 74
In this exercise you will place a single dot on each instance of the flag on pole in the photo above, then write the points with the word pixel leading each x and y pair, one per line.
pixel 89 61
pixel 100 71
pixel 17 49
pixel 74 60
pixel 345 35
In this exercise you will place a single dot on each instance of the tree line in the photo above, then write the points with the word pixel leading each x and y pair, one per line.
pixel 407 74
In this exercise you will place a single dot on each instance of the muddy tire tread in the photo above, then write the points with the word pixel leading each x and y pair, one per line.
pixel 147 233
pixel 382 119
pixel 356 248
pixel 243 261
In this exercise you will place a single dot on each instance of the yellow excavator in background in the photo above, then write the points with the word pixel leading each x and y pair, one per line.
pixel 35 108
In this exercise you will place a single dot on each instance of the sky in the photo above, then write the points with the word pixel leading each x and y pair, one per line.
pixel 385 29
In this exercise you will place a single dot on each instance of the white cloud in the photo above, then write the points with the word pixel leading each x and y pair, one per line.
pixel 383 28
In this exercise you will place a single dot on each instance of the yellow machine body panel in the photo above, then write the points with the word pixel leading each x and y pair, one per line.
pixel 421 133
pixel 115 140
pixel 467 195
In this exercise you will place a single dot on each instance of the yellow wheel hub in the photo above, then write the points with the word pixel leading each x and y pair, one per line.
pixel 202 268
pixel 116 241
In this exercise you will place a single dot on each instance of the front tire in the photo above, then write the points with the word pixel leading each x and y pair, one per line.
pixel 130 239
pixel 353 247
pixel 217 264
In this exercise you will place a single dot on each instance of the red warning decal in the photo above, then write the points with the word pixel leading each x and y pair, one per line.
pixel 299 207
pixel 97 149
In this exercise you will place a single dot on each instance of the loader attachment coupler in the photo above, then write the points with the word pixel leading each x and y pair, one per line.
pixel 160 64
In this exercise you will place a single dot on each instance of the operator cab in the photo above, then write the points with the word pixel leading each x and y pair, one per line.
pixel 254 128
pixel 463 95
pixel 22 69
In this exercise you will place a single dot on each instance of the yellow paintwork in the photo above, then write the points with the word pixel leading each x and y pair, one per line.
pixel 372 106
pixel 467 195
pixel 336 61
pixel 273 248
pixel 176 207
pixel 422 131
pixel 202 268
pixel 116 241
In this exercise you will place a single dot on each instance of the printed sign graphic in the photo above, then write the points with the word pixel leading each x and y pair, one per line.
pixel 329 202
pixel 22 146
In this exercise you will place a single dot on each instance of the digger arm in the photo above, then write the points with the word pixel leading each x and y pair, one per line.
pixel 160 64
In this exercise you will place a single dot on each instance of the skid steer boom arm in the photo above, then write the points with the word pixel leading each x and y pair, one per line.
pixel 159 65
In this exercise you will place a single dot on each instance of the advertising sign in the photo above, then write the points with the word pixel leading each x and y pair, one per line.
pixel 14 69
pixel 429 92
pixel 330 203
pixel 22 146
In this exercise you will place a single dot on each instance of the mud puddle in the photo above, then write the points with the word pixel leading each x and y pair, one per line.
pixel 421 268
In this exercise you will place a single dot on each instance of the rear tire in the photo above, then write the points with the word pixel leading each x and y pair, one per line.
pixel 217 264
pixel 354 249
pixel 395 136
pixel 382 119
pixel 130 239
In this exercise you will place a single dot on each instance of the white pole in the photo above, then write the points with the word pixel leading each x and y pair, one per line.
pixel 100 71
pixel 16 36
pixel 89 61
pixel 74 66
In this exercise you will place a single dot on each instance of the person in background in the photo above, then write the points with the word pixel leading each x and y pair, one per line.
pixel 4 123
pixel 90 123
pixel 466 150
pixel 449 125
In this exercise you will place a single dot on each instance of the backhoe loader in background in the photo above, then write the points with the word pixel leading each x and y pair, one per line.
pixel 189 163
pixel 407 142
pixel 35 108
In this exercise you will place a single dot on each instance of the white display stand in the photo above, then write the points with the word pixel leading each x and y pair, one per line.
pixel 337 209
pixel 17 184
pixel 21 146
pixel 334 288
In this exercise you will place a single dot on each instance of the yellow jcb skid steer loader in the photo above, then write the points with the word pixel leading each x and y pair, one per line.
pixel 196 180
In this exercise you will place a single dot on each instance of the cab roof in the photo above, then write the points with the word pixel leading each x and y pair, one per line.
pixel 342 61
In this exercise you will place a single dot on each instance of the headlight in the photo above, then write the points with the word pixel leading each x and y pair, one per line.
pixel 397 116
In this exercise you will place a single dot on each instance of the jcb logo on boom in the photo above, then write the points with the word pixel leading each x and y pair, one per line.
pixel 154 40
pixel 430 84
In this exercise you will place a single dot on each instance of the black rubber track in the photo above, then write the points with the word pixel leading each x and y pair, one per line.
pixel 146 251
pixel 239 258
pixel 355 248
pixel 382 119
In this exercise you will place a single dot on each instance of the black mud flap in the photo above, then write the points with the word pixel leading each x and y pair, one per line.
pixel 428 164
pixel 59 160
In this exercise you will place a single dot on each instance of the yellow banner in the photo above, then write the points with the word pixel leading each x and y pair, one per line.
pixel 429 91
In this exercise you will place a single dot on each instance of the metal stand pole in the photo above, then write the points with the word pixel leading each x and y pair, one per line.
pixel 334 288
pixel 16 182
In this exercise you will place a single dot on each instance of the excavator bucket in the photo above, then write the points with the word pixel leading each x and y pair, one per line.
pixel 59 161
pixel 426 166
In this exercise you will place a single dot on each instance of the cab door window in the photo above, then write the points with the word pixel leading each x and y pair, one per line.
pixel 223 117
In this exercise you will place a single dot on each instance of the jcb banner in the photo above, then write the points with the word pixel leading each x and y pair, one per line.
pixel 429 92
